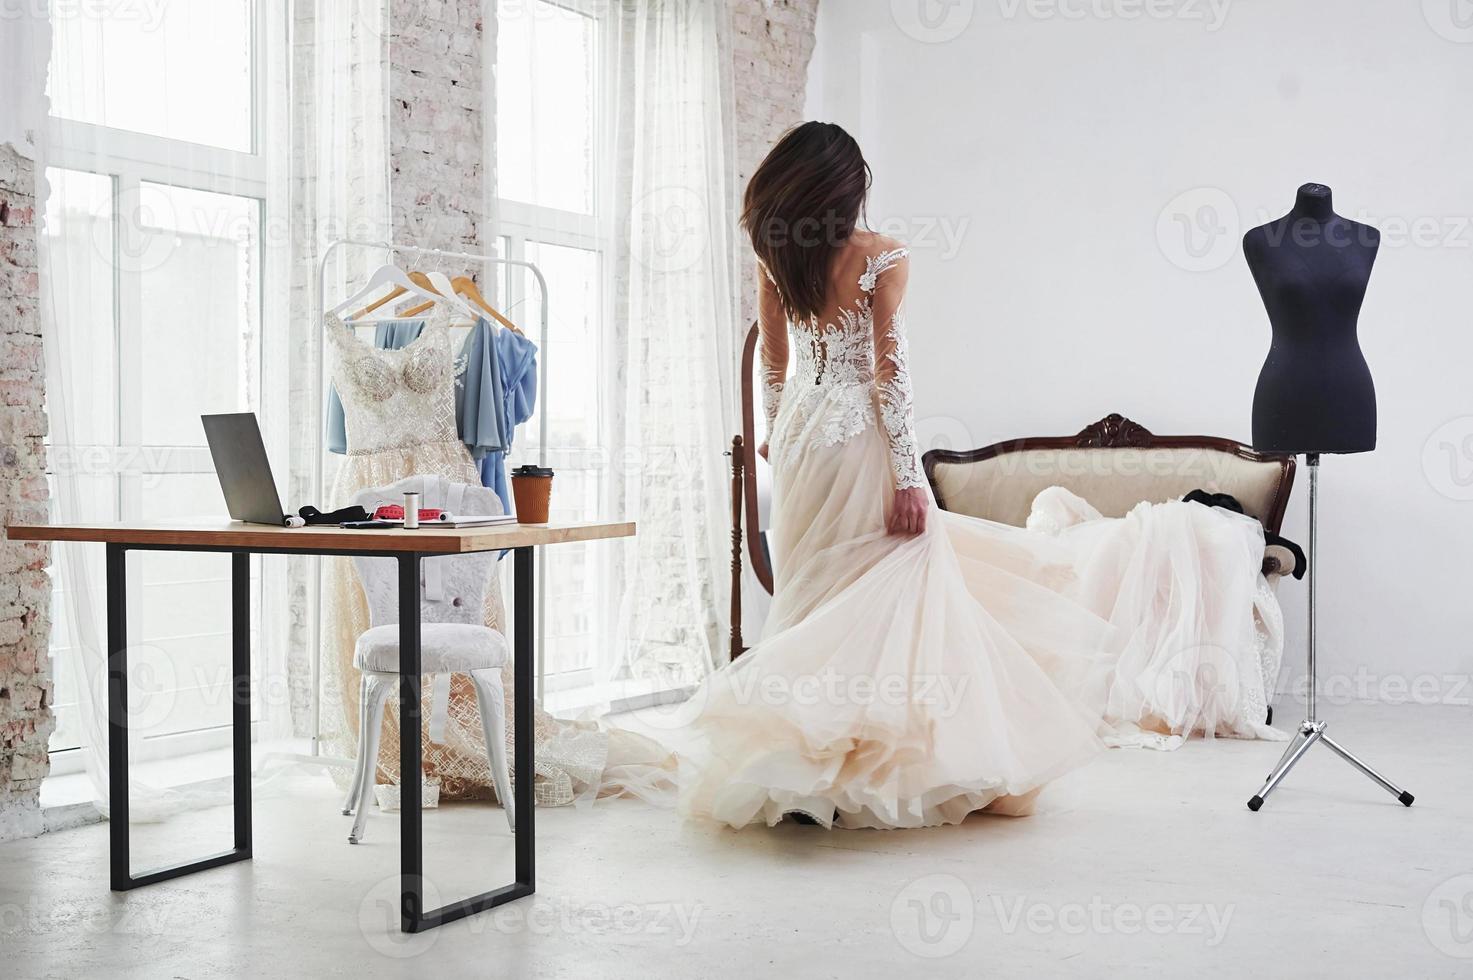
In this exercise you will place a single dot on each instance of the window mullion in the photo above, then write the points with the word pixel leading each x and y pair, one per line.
pixel 128 299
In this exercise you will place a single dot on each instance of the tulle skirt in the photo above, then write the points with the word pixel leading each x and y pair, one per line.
pixel 1201 630
pixel 900 681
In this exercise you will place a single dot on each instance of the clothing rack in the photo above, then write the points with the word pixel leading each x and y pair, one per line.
pixel 320 397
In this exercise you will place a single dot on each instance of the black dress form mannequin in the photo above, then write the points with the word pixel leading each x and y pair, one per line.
pixel 1314 393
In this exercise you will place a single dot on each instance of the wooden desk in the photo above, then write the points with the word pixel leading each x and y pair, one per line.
pixel 409 548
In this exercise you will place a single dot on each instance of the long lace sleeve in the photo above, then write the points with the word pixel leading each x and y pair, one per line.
pixel 772 331
pixel 885 278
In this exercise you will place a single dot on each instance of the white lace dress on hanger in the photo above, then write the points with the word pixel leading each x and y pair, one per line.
pixel 399 415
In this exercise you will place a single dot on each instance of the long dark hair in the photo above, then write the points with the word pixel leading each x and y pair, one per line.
pixel 801 206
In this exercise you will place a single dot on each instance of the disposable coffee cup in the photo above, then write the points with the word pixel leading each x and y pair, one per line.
pixel 531 488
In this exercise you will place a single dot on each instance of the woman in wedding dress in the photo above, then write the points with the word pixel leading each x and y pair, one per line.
pixel 916 665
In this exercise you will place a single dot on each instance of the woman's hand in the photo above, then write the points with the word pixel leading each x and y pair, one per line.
pixel 908 513
pixel 762 451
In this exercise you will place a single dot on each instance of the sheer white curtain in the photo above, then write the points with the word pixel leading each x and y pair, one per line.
pixel 675 154
pixel 336 186
pixel 196 157
pixel 614 170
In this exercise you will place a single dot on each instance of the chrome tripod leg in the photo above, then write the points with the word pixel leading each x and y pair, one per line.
pixel 1402 795
pixel 1288 750
pixel 1311 735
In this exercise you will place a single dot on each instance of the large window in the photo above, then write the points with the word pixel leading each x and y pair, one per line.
pixel 551 132
pixel 154 244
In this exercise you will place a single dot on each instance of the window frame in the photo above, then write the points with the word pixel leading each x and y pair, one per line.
pixel 516 223
pixel 128 160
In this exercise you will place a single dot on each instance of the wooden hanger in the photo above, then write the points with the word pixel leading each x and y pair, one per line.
pixel 418 278
pixel 439 284
pixel 466 286
pixel 385 275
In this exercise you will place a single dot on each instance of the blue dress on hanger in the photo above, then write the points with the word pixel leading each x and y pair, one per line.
pixel 516 359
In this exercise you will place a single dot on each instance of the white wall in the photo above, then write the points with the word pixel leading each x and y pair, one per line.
pixel 1057 137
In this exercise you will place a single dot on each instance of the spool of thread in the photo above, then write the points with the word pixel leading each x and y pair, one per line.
pixel 411 510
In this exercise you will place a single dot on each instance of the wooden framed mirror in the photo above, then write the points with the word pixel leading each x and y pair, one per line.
pixel 746 526
pixel 756 548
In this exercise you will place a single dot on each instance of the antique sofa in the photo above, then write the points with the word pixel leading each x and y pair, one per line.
pixel 1114 464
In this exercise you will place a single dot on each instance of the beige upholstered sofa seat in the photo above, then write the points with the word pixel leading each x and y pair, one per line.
pixel 1114 464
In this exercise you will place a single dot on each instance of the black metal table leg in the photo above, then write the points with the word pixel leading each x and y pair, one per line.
pixel 523 655
pixel 117 724
pixel 240 696
pixel 117 716
pixel 413 916
pixel 411 768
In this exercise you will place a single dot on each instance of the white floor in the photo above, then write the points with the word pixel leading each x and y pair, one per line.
pixel 1143 864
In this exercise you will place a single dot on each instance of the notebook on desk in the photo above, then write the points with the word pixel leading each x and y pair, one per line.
pixel 464 520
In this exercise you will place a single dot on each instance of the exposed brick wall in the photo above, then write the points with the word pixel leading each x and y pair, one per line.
pixel 25 587
pixel 772 43
pixel 436 127
pixel 438 121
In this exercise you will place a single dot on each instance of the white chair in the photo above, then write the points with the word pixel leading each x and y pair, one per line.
pixel 453 640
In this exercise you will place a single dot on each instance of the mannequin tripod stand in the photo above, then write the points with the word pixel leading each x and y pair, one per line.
pixel 1312 730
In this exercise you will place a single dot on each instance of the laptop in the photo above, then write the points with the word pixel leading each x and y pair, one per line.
pixel 240 459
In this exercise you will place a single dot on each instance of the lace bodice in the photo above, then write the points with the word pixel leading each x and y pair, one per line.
pixel 847 368
pixel 395 398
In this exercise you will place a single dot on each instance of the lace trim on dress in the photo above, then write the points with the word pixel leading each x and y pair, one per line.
pixel 772 398
pixel 839 357
pixel 897 410
pixel 401 397
pixel 876 264
pixel 843 370
pixel 893 387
